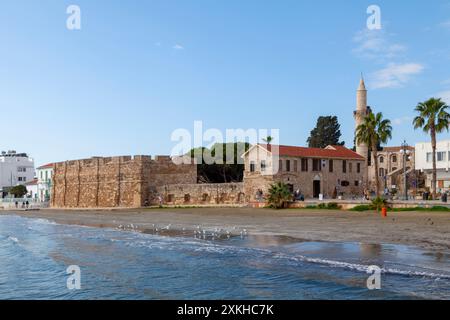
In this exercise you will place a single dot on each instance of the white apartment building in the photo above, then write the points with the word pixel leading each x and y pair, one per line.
pixel 44 182
pixel 15 169
pixel 424 163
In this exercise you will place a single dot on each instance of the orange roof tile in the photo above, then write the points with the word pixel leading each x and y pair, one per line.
pixel 46 166
pixel 336 152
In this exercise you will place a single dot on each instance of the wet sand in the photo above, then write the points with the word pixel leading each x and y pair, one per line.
pixel 428 230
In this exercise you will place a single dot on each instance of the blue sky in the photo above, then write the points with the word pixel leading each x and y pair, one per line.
pixel 138 70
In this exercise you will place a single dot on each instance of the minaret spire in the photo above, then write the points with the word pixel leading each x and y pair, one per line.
pixel 360 113
pixel 362 85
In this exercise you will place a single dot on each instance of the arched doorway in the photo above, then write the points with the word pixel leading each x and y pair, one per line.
pixel 316 187
pixel 290 187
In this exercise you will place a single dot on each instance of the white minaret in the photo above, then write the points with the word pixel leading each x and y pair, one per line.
pixel 360 113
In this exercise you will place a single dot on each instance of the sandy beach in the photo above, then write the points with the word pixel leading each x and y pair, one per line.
pixel 428 230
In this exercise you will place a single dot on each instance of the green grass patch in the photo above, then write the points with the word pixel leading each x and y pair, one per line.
pixel 362 208
pixel 432 209
pixel 322 206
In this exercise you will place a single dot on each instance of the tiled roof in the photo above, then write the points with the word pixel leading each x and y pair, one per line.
pixel 330 152
pixel 46 166
pixel 32 182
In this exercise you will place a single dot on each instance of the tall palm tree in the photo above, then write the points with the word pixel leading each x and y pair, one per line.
pixel 374 131
pixel 268 139
pixel 433 118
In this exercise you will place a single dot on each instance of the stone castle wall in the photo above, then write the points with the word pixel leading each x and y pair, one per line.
pixel 115 182
pixel 202 194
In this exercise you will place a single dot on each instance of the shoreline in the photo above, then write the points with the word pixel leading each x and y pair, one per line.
pixel 428 230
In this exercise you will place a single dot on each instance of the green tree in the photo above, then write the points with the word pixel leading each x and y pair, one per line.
pixel 433 118
pixel 374 131
pixel 230 170
pixel 279 195
pixel 268 139
pixel 18 191
pixel 327 132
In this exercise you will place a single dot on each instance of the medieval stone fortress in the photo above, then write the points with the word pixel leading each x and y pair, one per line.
pixel 333 172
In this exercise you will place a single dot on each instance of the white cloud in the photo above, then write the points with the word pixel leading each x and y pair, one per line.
pixel 402 120
pixel 178 47
pixel 376 45
pixel 394 75
pixel 445 24
pixel 445 96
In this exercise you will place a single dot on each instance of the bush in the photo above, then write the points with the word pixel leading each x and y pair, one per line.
pixel 379 203
pixel 333 206
pixel 18 191
pixel 361 208
pixel 279 195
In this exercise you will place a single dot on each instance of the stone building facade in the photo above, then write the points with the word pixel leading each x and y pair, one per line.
pixel 331 172
pixel 390 159
pixel 391 169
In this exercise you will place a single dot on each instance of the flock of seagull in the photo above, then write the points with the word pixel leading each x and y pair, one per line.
pixel 199 231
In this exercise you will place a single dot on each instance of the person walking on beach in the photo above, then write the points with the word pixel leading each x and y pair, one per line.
pixel 27 204
pixel 17 204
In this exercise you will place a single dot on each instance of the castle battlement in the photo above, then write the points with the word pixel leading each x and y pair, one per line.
pixel 122 181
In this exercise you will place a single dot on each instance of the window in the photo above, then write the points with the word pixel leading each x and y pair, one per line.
pixel 317 165
pixel 252 166
pixel 187 198
pixel 381 172
pixel 394 158
pixel 330 165
pixel 263 165
pixel 288 165
pixel 356 183
pixel 344 166
pixel 304 165
pixel 42 175
pixel 295 166
pixel 358 167
pixel 429 156
pixel 441 156
pixel 350 167
pixel 21 169
pixel 280 165
pixel 381 159
pixel 345 183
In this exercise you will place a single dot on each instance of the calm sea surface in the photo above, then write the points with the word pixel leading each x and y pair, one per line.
pixel 115 264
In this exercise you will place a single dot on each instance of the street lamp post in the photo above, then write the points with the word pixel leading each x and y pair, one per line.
pixel 405 152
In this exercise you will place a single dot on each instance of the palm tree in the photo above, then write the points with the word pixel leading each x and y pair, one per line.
pixel 433 118
pixel 374 131
pixel 279 194
pixel 268 139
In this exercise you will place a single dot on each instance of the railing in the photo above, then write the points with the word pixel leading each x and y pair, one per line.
pixel 21 203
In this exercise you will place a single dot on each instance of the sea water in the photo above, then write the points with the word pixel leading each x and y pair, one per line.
pixel 117 264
